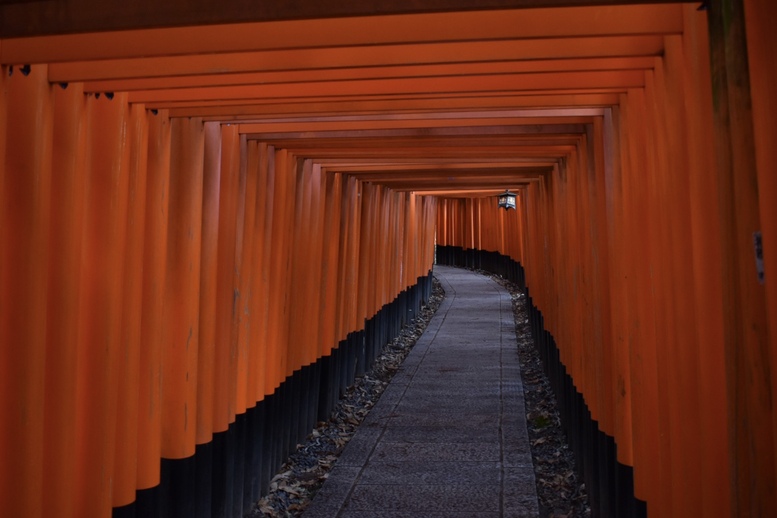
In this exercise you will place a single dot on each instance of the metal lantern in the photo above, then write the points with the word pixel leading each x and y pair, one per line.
pixel 507 200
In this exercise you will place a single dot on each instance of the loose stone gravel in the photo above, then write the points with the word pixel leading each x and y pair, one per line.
pixel 560 492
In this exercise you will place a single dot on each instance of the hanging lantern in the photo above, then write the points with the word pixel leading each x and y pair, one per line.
pixel 506 200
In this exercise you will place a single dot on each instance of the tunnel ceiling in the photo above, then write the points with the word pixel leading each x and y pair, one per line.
pixel 458 103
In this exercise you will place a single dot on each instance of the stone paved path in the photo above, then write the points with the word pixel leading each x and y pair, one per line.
pixel 448 437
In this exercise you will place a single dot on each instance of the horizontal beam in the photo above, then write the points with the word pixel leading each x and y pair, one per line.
pixel 19 18
pixel 339 32
pixel 430 53
pixel 239 111
pixel 439 72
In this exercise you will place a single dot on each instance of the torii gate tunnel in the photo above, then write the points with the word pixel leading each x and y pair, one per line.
pixel 213 214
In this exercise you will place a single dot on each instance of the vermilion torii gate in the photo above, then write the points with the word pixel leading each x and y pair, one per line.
pixel 212 213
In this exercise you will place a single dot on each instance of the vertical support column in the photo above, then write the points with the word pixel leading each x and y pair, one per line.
pixel 317 281
pixel 226 305
pixel 301 266
pixel 245 222
pixel 67 212
pixel 152 337
pixel 182 296
pixel 614 209
pixel 349 272
pixel 206 352
pixel 224 368
pixel 689 349
pixel 600 265
pixel 100 305
pixel 762 56
pixel 179 354
pixel 283 207
pixel 362 285
pixel 251 271
pixel 328 291
pixel 262 259
pixel 748 360
pixel 125 469
pixel 25 182
pixel 715 487
pixel 206 357
pixel 641 326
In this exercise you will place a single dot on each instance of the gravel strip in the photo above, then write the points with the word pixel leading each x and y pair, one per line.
pixel 560 492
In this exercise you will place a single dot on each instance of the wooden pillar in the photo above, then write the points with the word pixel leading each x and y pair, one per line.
pixel 125 469
pixel 330 297
pixel 762 59
pixel 301 265
pixel 206 356
pixel 641 326
pixel 600 232
pixel 316 280
pixel 283 206
pixel 262 259
pixel 100 303
pixel 152 317
pixel 613 208
pixel 67 202
pixel 226 305
pixel 748 375
pixel 706 268
pixel 243 242
pixel 184 238
pixel 25 201
pixel 253 233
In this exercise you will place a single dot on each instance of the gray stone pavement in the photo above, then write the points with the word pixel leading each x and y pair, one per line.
pixel 448 436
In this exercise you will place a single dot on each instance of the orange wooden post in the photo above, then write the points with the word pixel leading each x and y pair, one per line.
pixel 100 306
pixel 659 211
pixel 385 251
pixel 343 223
pixel 690 348
pixel 428 252
pixel 365 288
pixel 245 221
pixel 226 298
pixel 599 264
pixel 407 274
pixel 291 168
pixel 152 309
pixel 317 282
pixel 277 331
pixel 261 276
pixel 125 468
pixel 411 221
pixel 311 233
pixel 748 358
pixel 67 202
pixel 25 182
pixel 182 294
pixel 329 294
pixel 377 262
pixel 762 56
pixel 250 271
pixel 397 257
pixel 641 329
pixel 351 224
pixel 660 293
pixel 568 326
pixel 206 355
pixel 300 255
pixel 613 209
pixel 715 488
